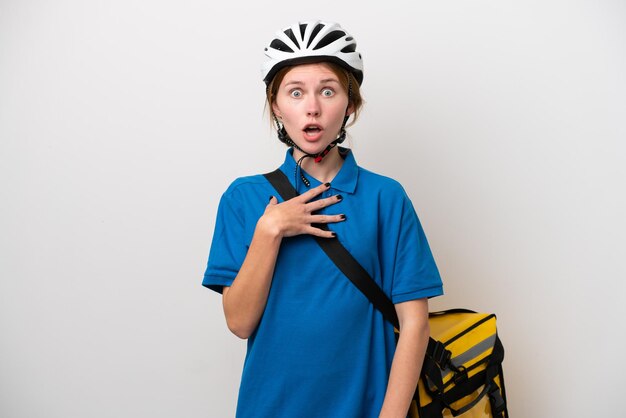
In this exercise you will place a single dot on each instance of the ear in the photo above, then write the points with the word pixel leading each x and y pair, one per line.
pixel 276 111
pixel 350 109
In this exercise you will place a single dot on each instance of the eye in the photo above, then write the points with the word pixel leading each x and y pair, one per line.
pixel 296 94
pixel 328 92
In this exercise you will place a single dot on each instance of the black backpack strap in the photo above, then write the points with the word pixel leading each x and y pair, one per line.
pixel 339 255
pixel 353 270
pixel 280 182
pixel 437 355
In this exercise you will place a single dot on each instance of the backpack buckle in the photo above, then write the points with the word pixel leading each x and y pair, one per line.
pixel 460 375
pixel 498 404
pixel 441 355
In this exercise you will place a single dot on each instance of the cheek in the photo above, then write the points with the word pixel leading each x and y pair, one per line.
pixel 339 111
pixel 284 108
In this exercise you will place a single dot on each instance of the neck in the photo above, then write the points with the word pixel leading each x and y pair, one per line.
pixel 325 170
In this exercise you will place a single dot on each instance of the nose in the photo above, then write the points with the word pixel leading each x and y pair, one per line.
pixel 313 107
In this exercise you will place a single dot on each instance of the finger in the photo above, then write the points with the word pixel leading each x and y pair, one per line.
pixel 322 203
pixel 316 191
pixel 320 232
pixel 273 200
pixel 327 219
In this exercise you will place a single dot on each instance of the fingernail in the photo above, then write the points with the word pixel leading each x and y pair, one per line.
pixel 339 197
pixel 343 217
pixel 327 184
pixel 271 198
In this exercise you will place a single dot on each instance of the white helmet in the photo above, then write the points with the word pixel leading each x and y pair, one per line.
pixel 308 42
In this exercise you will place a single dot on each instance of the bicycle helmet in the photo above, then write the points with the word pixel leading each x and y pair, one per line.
pixel 308 42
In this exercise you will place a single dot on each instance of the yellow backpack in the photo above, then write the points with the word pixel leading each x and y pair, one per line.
pixel 462 372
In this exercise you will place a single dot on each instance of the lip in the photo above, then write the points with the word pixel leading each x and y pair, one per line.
pixel 312 136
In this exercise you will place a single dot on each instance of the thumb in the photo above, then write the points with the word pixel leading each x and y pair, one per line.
pixel 273 200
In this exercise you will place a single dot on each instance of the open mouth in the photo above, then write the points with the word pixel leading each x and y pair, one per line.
pixel 312 129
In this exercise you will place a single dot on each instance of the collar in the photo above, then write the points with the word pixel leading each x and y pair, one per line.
pixel 345 180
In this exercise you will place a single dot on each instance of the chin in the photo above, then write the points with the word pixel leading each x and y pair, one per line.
pixel 313 148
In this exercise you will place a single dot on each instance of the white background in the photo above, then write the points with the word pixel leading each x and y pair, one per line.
pixel 123 121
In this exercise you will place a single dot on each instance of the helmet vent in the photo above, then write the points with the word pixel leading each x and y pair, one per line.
pixel 331 37
pixel 349 48
pixel 307 42
pixel 316 30
pixel 291 36
pixel 280 45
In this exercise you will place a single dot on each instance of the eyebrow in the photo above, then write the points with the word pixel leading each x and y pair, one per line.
pixel 324 81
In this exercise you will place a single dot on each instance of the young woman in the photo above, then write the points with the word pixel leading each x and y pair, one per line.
pixel 316 346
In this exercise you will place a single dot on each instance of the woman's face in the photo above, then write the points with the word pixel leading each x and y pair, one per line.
pixel 311 103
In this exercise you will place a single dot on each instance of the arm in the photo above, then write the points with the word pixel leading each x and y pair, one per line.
pixel 244 301
pixel 406 366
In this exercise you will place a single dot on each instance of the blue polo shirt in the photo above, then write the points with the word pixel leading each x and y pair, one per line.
pixel 321 349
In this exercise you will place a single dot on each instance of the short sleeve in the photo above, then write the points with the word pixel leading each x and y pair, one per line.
pixel 415 273
pixel 228 247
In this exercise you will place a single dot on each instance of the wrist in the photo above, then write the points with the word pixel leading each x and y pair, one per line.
pixel 268 229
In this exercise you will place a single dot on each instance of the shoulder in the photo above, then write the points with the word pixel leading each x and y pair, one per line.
pixel 245 196
pixel 245 199
pixel 382 185
pixel 244 185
